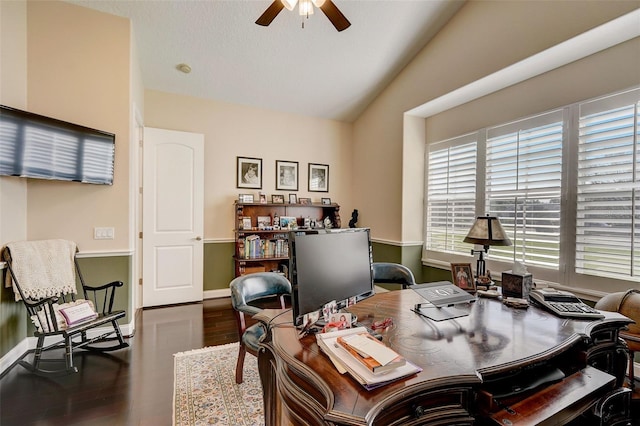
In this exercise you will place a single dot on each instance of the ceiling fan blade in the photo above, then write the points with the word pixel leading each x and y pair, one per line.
pixel 270 14
pixel 335 16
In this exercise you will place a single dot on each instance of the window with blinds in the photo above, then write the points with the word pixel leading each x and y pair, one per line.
pixel 523 183
pixel 451 195
pixel 608 196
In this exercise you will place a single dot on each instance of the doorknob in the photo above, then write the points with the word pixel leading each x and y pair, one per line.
pixel 198 238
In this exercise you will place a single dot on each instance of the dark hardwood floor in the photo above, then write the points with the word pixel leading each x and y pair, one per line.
pixel 132 386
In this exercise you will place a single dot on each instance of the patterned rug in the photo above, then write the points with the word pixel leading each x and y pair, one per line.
pixel 205 391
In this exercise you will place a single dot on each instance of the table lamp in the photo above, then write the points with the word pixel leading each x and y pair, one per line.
pixel 486 231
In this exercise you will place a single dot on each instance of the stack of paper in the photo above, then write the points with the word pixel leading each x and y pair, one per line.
pixel 346 362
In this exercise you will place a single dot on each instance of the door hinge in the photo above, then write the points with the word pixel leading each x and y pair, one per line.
pixel 140 235
pixel 140 281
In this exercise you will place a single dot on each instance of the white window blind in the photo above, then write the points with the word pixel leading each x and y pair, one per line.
pixel 608 219
pixel 451 195
pixel 523 184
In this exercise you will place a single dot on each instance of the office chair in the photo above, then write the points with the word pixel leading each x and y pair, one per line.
pixel 392 273
pixel 628 304
pixel 250 288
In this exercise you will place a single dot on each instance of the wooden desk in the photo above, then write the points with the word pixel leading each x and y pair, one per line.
pixel 462 361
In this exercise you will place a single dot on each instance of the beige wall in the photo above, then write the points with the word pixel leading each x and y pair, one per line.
pixel 484 37
pixel 78 71
pixel 235 130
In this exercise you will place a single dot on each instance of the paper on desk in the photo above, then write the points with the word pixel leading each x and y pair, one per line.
pixel 327 341
pixel 374 349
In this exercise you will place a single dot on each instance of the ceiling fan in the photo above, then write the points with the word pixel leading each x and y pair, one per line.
pixel 306 8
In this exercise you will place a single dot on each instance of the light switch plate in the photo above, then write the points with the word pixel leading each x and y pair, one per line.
pixel 107 233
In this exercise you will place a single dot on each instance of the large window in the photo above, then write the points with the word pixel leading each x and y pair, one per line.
pixel 607 222
pixel 451 193
pixel 565 185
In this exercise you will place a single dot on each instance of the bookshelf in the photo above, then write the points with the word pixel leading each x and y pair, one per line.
pixel 260 247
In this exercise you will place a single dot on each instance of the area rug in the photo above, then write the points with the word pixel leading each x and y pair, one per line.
pixel 205 390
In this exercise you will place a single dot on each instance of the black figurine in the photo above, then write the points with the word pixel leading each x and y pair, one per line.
pixel 354 219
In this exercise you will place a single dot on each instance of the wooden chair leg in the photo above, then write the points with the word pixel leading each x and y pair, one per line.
pixel 632 383
pixel 240 363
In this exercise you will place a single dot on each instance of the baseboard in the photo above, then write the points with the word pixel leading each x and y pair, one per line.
pixel 217 294
pixel 29 344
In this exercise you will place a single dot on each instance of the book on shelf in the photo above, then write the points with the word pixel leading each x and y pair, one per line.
pixel 372 353
pixel 345 362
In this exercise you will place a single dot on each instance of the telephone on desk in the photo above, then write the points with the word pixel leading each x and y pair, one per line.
pixel 563 304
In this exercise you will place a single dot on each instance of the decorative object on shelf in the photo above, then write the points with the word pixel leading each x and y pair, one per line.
pixel 318 177
pixel 486 231
pixel 305 201
pixel 246 222
pixel 326 201
pixel 263 198
pixel 462 276
pixel 245 198
pixel 249 172
pixel 264 222
pixel 293 199
pixel 354 219
pixel 327 223
pixel 288 222
pixel 277 199
pixel 287 175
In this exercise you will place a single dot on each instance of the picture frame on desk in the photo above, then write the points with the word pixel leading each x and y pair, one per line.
pixel 462 276
pixel 249 172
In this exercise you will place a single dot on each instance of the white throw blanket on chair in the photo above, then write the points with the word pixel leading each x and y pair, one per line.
pixel 43 268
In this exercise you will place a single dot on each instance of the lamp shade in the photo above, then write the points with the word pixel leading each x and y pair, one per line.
pixel 487 231
pixel 289 4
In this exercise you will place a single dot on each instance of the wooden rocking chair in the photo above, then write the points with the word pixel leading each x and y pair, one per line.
pixel 43 275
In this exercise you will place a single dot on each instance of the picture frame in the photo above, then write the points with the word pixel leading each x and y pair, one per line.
pixel 264 222
pixel 326 201
pixel 462 276
pixel 263 198
pixel 246 222
pixel 286 175
pixel 293 199
pixel 277 199
pixel 288 222
pixel 245 198
pixel 318 177
pixel 305 201
pixel 249 172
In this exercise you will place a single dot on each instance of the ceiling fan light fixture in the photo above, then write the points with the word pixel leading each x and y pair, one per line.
pixel 305 8
pixel 318 3
pixel 289 4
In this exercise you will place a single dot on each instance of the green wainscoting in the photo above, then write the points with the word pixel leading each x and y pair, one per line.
pixel 409 256
pixel 13 322
pixel 219 268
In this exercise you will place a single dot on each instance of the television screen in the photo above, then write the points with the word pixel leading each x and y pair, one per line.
pixel 327 265
pixel 35 146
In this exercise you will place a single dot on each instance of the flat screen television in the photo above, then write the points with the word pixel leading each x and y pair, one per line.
pixel 35 146
pixel 327 265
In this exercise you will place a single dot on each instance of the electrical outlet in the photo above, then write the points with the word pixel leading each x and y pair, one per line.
pixel 103 233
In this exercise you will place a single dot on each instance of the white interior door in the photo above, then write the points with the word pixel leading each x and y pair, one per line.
pixel 172 204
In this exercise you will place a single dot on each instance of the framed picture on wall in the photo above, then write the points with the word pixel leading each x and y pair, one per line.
pixel 463 277
pixel 287 175
pixel 318 177
pixel 249 172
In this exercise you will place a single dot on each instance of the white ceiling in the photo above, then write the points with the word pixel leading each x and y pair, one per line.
pixel 316 71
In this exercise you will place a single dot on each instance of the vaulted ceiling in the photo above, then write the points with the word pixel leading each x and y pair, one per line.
pixel 309 69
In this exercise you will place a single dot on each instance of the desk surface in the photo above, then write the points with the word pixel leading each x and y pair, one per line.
pixel 491 341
